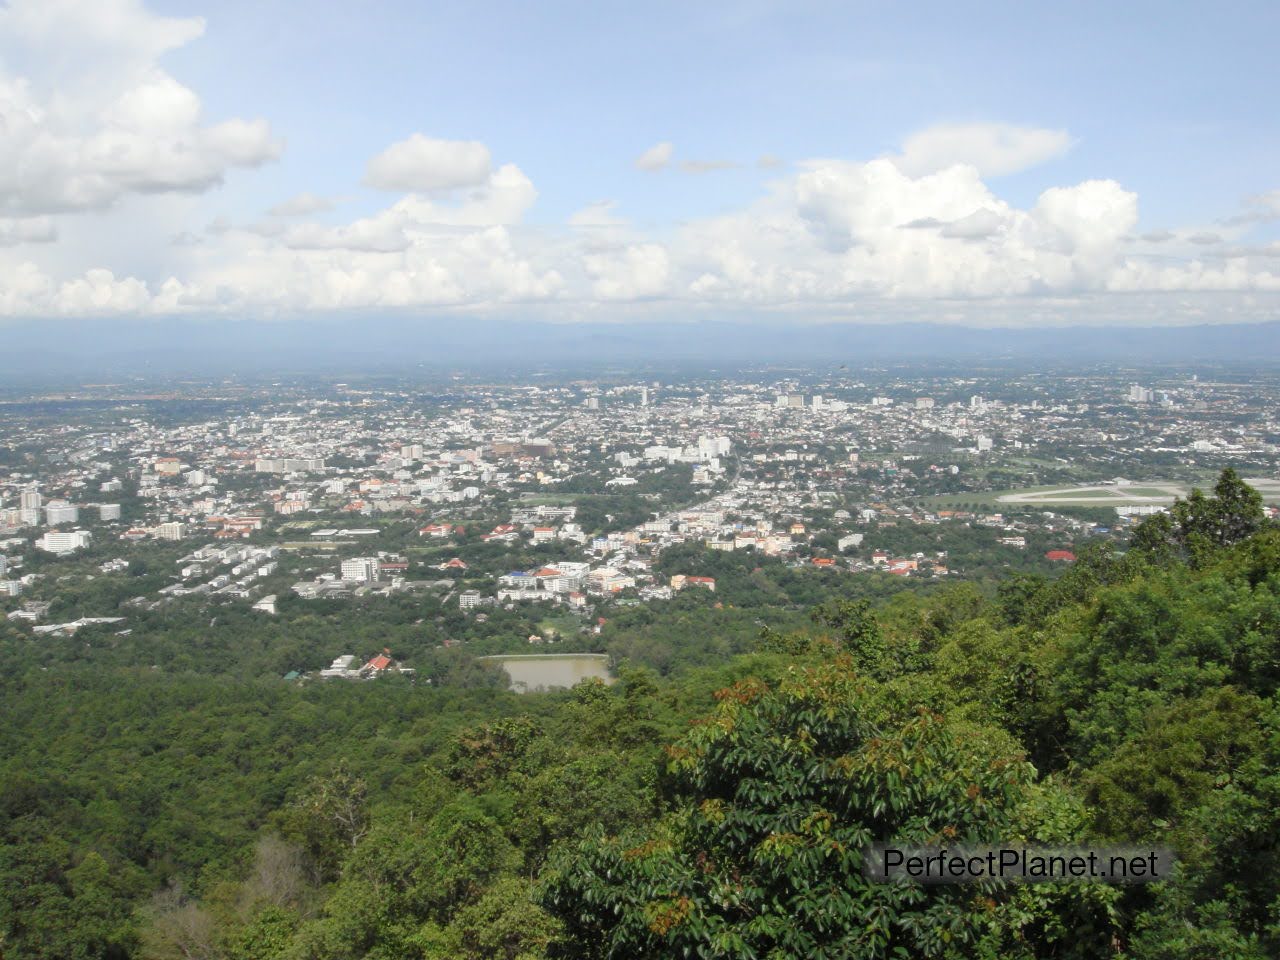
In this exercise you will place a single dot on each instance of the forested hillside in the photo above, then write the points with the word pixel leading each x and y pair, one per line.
pixel 717 810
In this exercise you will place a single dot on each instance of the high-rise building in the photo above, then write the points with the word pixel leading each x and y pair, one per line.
pixel 171 530
pixel 644 396
pixel 109 511
pixel 30 499
pixel 60 511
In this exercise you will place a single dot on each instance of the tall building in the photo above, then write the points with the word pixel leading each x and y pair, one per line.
pixel 644 396
pixel 171 530
pixel 361 569
pixel 593 403
pixel 109 511
pixel 59 511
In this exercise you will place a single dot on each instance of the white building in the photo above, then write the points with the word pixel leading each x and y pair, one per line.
pixel 361 569
pixel 60 511
pixel 109 511
pixel 341 668
pixel 171 530
pixel 61 543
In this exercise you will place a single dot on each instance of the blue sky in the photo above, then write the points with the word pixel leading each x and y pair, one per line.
pixel 1082 163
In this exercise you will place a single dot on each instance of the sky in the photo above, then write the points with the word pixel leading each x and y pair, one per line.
pixel 991 164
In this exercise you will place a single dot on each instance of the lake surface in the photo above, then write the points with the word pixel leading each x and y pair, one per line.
pixel 536 672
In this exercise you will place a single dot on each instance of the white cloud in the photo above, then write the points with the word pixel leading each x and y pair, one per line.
pixel 424 164
pixel 978 225
pixel 598 215
pixel 827 239
pixel 635 272
pixel 1260 208
pixel 28 230
pixel 993 149
pixel 656 157
pixel 94 118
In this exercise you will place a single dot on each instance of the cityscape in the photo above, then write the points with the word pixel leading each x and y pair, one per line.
pixel 736 480
pixel 558 504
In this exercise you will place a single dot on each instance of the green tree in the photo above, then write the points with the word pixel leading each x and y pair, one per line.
pixel 776 796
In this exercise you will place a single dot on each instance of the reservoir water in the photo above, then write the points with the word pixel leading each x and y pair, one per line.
pixel 536 672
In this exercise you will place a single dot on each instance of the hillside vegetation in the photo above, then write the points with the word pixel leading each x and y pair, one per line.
pixel 718 811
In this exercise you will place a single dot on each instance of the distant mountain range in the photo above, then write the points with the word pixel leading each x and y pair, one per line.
pixel 60 348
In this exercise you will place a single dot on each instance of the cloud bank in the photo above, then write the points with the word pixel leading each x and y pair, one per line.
pixel 94 122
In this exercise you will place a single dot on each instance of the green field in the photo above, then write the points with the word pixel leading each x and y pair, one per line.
pixel 1093 495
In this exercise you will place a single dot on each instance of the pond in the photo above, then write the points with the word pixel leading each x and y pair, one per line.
pixel 537 672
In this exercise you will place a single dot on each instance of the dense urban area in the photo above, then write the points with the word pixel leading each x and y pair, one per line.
pixel 394 667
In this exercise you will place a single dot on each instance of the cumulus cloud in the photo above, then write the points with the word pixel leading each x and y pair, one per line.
pixel 656 157
pixel 826 238
pixel 635 272
pixel 425 164
pixel 835 234
pixel 95 118
pixel 993 149
pixel 976 226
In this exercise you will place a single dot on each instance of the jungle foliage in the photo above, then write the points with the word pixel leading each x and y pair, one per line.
pixel 719 810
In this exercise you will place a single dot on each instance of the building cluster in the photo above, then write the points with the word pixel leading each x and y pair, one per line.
pixel 342 491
